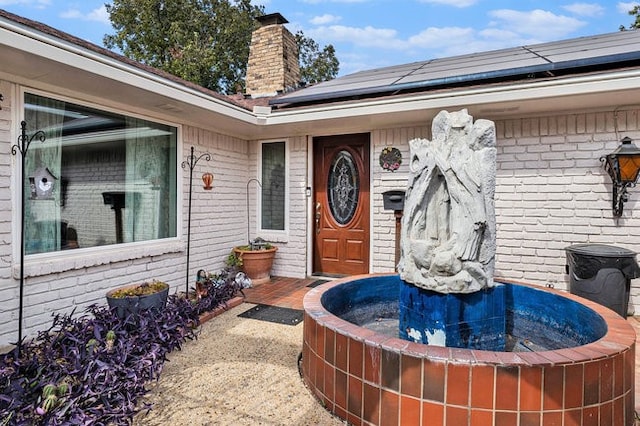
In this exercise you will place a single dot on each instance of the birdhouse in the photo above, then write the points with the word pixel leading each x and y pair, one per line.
pixel 42 184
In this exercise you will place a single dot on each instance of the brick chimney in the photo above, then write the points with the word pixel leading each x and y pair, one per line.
pixel 273 65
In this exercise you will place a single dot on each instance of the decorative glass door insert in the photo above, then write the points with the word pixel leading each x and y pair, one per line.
pixel 343 187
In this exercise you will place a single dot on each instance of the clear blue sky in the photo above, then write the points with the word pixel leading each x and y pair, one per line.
pixel 370 34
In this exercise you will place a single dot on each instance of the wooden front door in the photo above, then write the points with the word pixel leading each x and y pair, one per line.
pixel 341 204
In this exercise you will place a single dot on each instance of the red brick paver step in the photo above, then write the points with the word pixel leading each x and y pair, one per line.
pixel 283 292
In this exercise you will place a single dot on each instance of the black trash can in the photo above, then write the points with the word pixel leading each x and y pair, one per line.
pixel 602 273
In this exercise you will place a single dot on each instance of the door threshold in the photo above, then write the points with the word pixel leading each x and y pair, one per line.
pixel 321 276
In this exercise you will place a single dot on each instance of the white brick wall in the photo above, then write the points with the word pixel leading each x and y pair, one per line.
pixel 290 260
pixel 551 192
pixel 218 217
pixel 383 221
pixel 8 289
pixel 80 278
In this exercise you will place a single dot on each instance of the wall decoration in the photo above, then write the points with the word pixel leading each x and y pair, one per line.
pixel 42 184
pixel 390 158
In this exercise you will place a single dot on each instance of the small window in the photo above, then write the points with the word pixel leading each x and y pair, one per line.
pixel 273 197
pixel 109 178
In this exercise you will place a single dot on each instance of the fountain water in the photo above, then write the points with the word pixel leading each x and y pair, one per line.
pixel 463 349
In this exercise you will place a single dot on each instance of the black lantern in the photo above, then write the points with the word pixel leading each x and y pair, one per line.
pixel 623 166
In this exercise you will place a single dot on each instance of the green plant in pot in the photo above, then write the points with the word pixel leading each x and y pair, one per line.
pixel 256 260
pixel 133 298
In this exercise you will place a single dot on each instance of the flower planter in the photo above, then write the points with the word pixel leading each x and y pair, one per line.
pixel 133 298
pixel 257 263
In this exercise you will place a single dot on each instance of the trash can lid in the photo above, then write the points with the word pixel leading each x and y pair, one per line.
pixel 601 250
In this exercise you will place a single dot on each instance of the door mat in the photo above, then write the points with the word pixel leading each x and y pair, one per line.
pixel 275 314
pixel 316 283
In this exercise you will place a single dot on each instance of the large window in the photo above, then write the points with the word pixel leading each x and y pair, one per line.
pixel 99 178
pixel 273 200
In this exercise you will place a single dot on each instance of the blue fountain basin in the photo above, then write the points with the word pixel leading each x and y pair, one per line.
pixel 507 317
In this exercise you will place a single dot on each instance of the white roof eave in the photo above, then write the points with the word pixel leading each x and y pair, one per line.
pixel 611 89
pixel 53 62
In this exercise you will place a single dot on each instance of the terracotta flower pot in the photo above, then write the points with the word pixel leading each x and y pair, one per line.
pixel 128 299
pixel 257 263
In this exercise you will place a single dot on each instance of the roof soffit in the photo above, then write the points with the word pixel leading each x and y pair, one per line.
pixel 38 60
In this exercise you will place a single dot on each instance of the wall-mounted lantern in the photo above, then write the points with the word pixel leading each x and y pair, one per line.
pixel 623 166
pixel 207 178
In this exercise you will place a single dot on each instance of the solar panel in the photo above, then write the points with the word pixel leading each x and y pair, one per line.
pixel 583 52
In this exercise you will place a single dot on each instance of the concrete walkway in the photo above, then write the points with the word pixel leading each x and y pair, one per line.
pixel 239 372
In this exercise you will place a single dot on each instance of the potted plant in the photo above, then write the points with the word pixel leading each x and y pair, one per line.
pixel 256 260
pixel 133 298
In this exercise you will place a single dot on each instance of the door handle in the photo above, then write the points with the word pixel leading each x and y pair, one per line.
pixel 318 216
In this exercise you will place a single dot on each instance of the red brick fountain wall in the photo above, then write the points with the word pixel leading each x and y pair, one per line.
pixel 372 379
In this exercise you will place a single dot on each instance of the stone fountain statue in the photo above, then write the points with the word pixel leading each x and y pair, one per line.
pixel 448 226
pixel 445 296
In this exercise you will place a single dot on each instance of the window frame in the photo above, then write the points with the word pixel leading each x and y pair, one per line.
pixel 273 235
pixel 96 255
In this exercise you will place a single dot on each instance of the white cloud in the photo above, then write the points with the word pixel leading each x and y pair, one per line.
pixel 333 1
pixel 434 37
pixel 429 43
pixel 71 14
pixel 365 37
pixel 97 15
pixel 100 14
pixel 454 3
pixel 625 7
pixel 584 9
pixel 324 19
pixel 453 41
pixel 353 62
pixel 440 42
pixel 537 23
pixel 492 39
pixel 432 42
pixel 498 34
pixel 500 29
pixel 38 4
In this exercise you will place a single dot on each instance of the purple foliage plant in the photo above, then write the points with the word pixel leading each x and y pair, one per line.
pixel 93 369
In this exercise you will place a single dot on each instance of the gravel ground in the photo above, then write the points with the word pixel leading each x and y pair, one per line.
pixel 239 372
